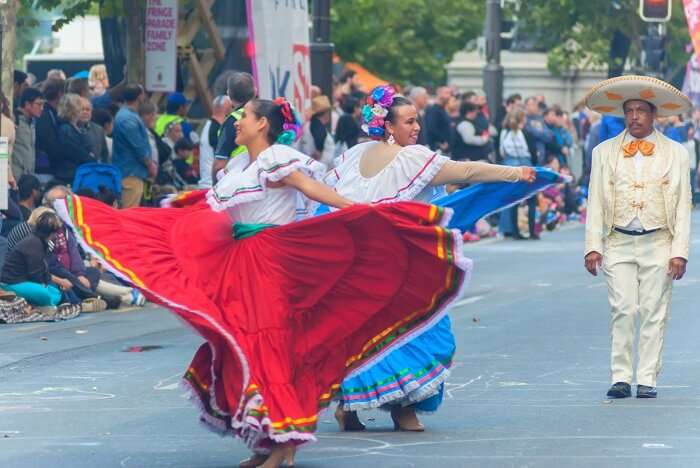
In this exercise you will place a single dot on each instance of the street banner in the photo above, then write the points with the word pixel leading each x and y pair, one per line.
pixel 279 37
pixel 161 45
pixel 692 14
pixel 691 83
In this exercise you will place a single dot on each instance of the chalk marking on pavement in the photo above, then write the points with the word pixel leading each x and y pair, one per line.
pixel 55 393
pixel 513 384
pixel 457 386
pixel 161 385
pixel 468 300
pixel 656 446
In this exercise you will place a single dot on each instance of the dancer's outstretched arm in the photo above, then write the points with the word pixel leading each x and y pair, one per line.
pixel 459 172
pixel 316 190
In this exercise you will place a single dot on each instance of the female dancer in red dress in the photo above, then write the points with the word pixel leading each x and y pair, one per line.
pixel 287 308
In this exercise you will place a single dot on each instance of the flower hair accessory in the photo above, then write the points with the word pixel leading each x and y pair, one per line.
pixel 375 111
pixel 291 127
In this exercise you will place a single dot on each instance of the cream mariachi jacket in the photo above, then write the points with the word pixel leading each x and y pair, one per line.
pixel 670 168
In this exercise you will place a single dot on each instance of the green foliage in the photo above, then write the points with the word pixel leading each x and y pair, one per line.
pixel 71 9
pixel 405 40
pixel 577 34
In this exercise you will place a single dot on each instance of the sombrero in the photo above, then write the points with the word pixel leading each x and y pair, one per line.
pixel 608 96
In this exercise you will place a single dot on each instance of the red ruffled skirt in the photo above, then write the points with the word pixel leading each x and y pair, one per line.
pixel 288 312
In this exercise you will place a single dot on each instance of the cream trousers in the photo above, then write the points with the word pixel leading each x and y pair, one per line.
pixel 636 270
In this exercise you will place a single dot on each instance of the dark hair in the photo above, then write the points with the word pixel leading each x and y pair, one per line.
pixel 53 89
pixel 241 87
pixel 347 75
pixel 85 192
pixel 273 113
pixel 79 86
pixel 26 185
pixel 349 103
pixel 47 224
pixel 147 107
pixel 466 107
pixel 468 95
pixel 101 117
pixel 5 105
pixel 399 101
pixel 19 76
pixel 183 144
pixel 132 92
pixel 556 109
pixel 513 98
pixel 30 95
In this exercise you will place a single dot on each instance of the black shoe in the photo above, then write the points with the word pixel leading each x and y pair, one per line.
pixel 620 390
pixel 535 237
pixel 646 392
pixel 518 236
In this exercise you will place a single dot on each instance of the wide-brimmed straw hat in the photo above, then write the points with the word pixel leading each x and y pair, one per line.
pixel 320 104
pixel 608 96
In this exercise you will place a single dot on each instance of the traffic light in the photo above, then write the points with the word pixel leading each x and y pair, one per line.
pixel 658 11
pixel 654 47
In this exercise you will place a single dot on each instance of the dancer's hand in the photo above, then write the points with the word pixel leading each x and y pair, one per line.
pixel 528 174
pixel 593 262
pixel 63 284
pixel 676 268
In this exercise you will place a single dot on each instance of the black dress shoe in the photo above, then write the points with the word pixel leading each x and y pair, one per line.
pixel 646 392
pixel 620 390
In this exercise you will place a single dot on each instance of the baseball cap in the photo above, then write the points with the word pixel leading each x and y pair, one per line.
pixel 177 99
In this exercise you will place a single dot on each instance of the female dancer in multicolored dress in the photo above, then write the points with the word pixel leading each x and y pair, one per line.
pixel 287 308
pixel 392 169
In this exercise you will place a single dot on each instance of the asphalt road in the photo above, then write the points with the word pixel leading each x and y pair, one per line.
pixel 527 389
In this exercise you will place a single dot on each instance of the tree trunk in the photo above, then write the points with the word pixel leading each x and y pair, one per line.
pixel 8 16
pixel 135 41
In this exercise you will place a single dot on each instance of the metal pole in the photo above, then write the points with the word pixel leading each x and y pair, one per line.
pixel 322 47
pixel 493 71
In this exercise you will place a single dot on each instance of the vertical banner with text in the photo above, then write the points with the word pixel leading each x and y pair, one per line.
pixel 161 45
pixel 279 35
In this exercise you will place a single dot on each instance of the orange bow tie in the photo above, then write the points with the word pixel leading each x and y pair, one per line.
pixel 643 146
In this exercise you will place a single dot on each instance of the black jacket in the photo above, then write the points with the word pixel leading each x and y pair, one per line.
pixel 75 150
pixel 27 262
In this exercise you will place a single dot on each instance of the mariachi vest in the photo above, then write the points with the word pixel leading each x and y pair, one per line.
pixel 640 195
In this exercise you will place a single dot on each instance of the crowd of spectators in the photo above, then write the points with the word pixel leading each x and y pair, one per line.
pixel 61 129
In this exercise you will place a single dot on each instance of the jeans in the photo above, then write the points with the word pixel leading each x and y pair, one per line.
pixel 35 293
pixel 508 223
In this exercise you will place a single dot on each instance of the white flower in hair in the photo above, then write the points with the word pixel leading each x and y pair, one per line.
pixel 379 111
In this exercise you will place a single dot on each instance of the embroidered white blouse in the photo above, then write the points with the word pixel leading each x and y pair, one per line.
pixel 244 193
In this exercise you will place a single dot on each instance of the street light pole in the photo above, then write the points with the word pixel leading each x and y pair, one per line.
pixel 493 71
pixel 322 47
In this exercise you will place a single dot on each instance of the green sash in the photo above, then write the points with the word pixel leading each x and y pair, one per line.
pixel 243 230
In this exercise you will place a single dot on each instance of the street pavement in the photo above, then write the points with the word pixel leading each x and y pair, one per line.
pixel 527 388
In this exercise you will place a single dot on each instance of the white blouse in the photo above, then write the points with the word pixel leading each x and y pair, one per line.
pixel 406 177
pixel 244 193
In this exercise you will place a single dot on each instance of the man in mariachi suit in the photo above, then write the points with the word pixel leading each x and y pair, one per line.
pixel 638 223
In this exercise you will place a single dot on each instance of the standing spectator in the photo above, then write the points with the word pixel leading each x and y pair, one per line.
pixel 348 130
pixel 131 150
pixel 104 120
pixel 75 147
pixel 160 151
pixel 221 108
pixel 19 84
pixel 31 104
pixel 611 126
pixel 538 135
pixel 670 126
pixel 561 140
pixel 468 143
pixel 515 152
pixel 7 130
pixel 241 89
pixel 419 96
pixel 173 134
pixel 98 79
pixel 56 74
pixel 316 140
pixel 592 140
pixel 29 189
pixel 175 111
pixel 482 124
pixel 95 135
pixel 79 86
pixel 437 122
pixel 47 145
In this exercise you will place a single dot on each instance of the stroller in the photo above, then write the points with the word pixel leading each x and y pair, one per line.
pixel 94 175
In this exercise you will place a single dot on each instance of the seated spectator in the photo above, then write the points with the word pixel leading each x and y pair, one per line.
pixel 75 147
pixel 183 150
pixel 23 229
pixel 94 133
pixel 29 189
pixel 172 134
pixel 105 121
pixel 26 271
